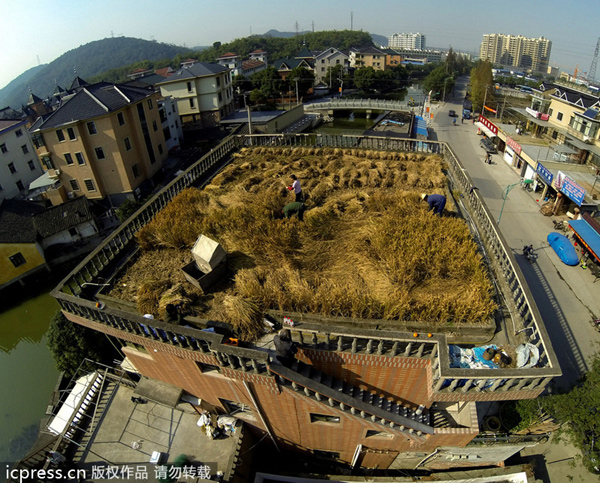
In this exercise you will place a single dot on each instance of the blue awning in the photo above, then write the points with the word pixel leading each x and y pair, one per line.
pixel 587 234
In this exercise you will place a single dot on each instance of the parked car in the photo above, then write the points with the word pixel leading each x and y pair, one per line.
pixel 452 113
pixel 488 145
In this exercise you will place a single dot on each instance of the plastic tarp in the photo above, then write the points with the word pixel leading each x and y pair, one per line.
pixel 83 387
pixel 528 355
pixel 471 358
pixel 590 236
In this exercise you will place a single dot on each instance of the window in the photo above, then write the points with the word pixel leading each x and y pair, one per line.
pixel 150 106
pixel 189 86
pixel 120 118
pixel 20 185
pixel 60 135
pixel 324 418
pixel 71 134
pixel 99 153
pixel 17 260
pixel 31 165
pixel 80 158
pixel 192 103
pixel 127 144
pixel 154 126
pixel 38 140
pixel 18 133
pixel 12 168
pixel 167 133
pixel 218 82
pixel 136 170
pixel 74 184
pixel 559 116
pixel 68 159
pixel 89 185
pixel 25 149
pixel 220 97
pixel 47 162
pixel 3 148
pixel 160 149
pixel 92 127
pixel 73 231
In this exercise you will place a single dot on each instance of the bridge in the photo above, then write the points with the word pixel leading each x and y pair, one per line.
pixel 367 104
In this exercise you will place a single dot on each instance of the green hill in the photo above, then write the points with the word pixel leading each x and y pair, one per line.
pixel 88 60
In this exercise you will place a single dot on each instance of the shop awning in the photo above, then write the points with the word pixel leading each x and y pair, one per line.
pixel 485 130
pixel 588 235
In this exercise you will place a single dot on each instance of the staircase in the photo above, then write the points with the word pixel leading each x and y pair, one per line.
pixel 322 387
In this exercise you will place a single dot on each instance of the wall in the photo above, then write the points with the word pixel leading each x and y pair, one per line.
pixel 30 251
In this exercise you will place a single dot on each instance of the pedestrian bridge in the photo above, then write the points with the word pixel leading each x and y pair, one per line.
pixel 354 104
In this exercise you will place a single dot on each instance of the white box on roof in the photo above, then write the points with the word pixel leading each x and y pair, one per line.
pixel 208 253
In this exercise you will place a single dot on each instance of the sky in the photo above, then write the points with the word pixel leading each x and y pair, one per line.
pixel 39 31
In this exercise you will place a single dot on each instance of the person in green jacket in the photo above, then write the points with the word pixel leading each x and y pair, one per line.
pixel 295 208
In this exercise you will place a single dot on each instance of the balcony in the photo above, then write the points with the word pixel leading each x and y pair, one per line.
pixel 82 300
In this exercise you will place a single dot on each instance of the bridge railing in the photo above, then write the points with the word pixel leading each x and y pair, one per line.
pixel 70 292
pixel 376 104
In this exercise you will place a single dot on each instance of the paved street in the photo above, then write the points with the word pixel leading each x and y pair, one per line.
pixel 566 296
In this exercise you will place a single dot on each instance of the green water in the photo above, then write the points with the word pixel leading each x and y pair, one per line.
pixel 348 123
pixel 27 371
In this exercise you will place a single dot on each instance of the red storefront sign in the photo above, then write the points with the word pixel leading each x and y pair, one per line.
pixel 512 144
pixel 487 123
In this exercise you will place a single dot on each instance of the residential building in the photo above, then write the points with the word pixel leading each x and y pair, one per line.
pixel 19 164
pixel 103 141
pixel 392 58
pixel 28 230
pixel 171 123
pixel 416 56
pixel 203 93
pixel 368 57
pixel 516 51
pixel 407 41
pixel 231 61
pixel 327 59
pixel 383 394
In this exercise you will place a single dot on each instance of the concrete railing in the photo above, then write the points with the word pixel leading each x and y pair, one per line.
pixel 113 253
pixel 375 104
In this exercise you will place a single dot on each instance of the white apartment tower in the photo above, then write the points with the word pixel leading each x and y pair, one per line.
pixel 407 41
pixel 516 51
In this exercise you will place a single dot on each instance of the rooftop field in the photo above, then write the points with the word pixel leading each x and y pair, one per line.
pixel 368 247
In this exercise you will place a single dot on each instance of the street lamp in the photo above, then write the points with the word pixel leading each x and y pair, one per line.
pixel 504 196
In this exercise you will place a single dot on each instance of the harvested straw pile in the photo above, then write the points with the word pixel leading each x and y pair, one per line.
pixel 368 248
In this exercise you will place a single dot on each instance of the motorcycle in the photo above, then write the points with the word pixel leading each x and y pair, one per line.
pixel 529 253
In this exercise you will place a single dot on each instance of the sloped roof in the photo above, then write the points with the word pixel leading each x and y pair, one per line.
pixel 62 217
pixel 27 222
pixel 6 124
pixel 227 55
pixel 199 69
pixel 370 50
pixel 165 71
pixel 305 54
pixel 58 90
pixel 575 97
pixel 77 83
pixel 16 221
pixel 289 63
pixel 93 101
pixel 33 99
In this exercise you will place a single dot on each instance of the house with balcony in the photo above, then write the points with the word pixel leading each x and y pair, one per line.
pixel 19 164
pixel 368 57
pixel 327 59
pixel 103 141
pixel 203 93
pixel 372 393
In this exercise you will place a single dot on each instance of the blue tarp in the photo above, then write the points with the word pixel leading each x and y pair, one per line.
pixel 421 126
pixel 471 358
pixel 588 235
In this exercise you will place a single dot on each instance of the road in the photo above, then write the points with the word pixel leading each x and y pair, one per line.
pixel 566 296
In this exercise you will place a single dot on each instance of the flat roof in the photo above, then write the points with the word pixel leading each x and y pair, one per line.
pixel 258 117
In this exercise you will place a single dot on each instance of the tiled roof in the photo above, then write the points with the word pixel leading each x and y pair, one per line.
pixel 6 124
pixel 16 221
pixel 93 101
pixel 165 71
pixel 227 55
pixel 62 217
pixel 77 83
pixel 305 54
pixel 27 222
pixel 199 69
pixel 280 64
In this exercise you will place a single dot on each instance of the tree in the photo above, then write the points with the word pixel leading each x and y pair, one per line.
pixel 364 78
pixel 481 80
pixel 439 82
pixel 268 81
pixel 216 45
pixel 70 344
pixel 333 76
pixel 257 97
pixel 305 78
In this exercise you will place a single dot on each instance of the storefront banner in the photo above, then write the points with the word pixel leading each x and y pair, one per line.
pixel 490 125
pixel 544 173
pixel 514 145
pixel 572 190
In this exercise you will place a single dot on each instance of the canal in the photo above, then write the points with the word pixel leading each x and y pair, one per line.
pixel 27 371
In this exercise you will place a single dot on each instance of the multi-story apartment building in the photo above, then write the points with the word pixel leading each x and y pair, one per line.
pixel 19 164
pixel 407 41
pixel 371 393
pixel 326 59
pixel 103 141
pixel 170 123
pixel 516 51
pixel 203 93
pixel 368 57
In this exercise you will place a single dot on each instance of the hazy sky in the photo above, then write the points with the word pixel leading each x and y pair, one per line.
pixel 48 28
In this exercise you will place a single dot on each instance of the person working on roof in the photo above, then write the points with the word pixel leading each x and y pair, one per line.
pixel 436 202
pixel 295 208
pixel 295 186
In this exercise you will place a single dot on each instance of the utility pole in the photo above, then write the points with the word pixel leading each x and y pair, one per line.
pixel 484 98
pixel 351 21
